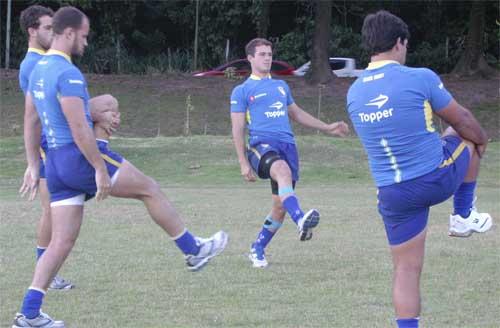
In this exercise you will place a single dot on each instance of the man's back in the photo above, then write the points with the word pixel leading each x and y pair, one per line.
pixel 54 77
pixel 391 108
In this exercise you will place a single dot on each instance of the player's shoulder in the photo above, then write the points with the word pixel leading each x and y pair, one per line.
pixel 420 72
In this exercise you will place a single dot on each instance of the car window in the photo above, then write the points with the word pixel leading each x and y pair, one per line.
pixel 336 64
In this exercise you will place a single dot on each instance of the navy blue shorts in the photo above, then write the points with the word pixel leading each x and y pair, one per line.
pixel 405 206
pixel 286 151
pixel 71 177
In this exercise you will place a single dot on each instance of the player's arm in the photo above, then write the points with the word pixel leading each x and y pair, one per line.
pixel 32 132
pixel 465 124
pixel 73 109
pixel 302 117
pixel 238 130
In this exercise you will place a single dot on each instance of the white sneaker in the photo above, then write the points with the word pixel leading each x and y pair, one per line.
pixel 209 248
pixel 258 257
pixel 59 283
pixel 42 321
pixel 306 223
pixel 476 222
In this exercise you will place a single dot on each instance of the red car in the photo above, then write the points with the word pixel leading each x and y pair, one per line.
pixel 242 67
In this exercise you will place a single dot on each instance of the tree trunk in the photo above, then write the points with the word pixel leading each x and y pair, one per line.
pixel 320 67
pixel 263 23
pixel 472 61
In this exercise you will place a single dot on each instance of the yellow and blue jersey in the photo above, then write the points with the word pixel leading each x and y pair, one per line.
pixel 53 77
pixel 33 55
pixel 391 108
pixel 265 102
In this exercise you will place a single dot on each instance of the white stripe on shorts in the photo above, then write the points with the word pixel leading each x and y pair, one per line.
pixel 76 200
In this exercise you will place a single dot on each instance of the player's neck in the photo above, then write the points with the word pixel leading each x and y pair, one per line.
pixel 261 75
pixel 35 45
pixel 59 46
pixel 383 57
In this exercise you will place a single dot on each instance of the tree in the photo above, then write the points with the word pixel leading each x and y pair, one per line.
pixel 263 19
pixel 320 67
pixel 472 61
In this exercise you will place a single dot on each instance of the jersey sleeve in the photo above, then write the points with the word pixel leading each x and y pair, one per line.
pixel 238 100
pixel 71 83
pixel 437 95
pixel 289 98
pixel 23 81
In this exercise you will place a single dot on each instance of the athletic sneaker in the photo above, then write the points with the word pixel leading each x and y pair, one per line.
pixel 42 321
pixel 209 248
pixel 464 227
pixel 59 283
pixel 307 223
pixel 258 256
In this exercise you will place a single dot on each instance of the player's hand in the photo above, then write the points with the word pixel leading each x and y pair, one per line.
pixel 340 129
pixel 247 173
pixel 103 183
pixel 30 183
pixel 480 149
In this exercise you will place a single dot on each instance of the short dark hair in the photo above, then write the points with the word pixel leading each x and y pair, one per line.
pixel 250 47
pixel 381 31
pixel 30 17
pixel 67 17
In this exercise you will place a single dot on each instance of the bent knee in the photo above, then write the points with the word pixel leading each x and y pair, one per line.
pixel 281 168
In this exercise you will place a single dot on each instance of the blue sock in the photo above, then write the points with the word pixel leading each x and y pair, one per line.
pixel 267 233
pixel 39 252
pixel 187 243
pixel 464 196
pixel 32 303
pixel 291 204
pixel 407 323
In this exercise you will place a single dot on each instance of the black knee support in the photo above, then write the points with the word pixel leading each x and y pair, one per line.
pixel 265 164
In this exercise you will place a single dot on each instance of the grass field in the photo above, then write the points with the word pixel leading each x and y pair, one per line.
pixel 129 274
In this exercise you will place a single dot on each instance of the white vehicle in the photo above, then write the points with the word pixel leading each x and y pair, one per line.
pixel 341 67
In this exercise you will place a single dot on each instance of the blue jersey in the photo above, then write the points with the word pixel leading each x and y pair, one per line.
pixel 391 107
pixel 32 56
pixel 53 77
pixel 265 102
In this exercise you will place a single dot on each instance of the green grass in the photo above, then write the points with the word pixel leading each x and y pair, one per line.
pixel 129 274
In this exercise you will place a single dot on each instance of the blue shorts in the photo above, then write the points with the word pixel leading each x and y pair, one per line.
pixel 286 151
pixel 70 175
pixel 405 206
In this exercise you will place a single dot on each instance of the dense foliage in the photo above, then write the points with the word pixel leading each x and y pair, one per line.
pixel 147 36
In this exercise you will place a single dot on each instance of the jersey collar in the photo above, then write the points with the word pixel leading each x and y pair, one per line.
pixel 380 63
pixel 255 77
pixel 60 53
pixel 37 51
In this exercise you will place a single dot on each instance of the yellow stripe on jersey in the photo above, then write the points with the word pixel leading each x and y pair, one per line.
pixel 429 124
pixel 249 120
pixel 60 53
pixel 36 50
pixel 454 156
pixel 110 160
pixel 381 63
pixel 42 154
pixel 256 152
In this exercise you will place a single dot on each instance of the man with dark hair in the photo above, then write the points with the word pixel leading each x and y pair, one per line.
pixel 36 22
pixel 79 168
pixel 264 106
pixel 391 108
